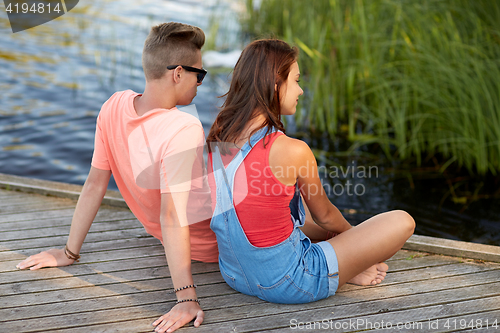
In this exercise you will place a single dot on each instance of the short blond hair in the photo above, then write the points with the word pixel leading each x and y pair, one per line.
pixel 168 44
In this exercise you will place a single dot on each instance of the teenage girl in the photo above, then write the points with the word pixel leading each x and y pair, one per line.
pixel 259 178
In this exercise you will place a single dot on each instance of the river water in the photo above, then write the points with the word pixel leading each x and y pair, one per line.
pixel 55 77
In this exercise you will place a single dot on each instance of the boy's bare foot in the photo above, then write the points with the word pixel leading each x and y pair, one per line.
pixel 372 276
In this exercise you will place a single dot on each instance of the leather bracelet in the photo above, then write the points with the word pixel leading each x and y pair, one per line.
pixel 70 254
pixel 185 287
pixel 188 300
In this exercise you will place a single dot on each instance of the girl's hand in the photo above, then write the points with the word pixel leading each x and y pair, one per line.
pixel 178 316
pixel 50 258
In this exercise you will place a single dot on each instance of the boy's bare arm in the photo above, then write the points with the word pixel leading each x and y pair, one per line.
pixel 86 209
pixel 175 233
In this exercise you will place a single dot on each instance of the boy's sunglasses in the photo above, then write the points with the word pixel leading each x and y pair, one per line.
pixel 200 72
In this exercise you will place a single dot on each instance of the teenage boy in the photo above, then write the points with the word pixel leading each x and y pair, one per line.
pixel 153 151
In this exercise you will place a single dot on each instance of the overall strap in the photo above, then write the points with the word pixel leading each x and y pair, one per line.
pixel 219 169
pixel 229 172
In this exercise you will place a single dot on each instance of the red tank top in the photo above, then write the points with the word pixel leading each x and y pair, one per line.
pixel 261 201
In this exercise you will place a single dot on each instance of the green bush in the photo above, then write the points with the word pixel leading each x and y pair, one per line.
pixel 418 78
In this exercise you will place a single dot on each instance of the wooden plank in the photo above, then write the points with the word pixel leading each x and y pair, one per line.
pixel 213 288
pixel 452 324
pixel 160 305
pixel 122 284
pixel 64 230
pixel 152 268
pixel 418 262
pixel 63 190
pixel 31 198
pixel 449 324
pixel 407 255
pixel 26 200
pixel 344 314
pixel 142 280
pixel 208 321
pixel 464 279
pixel 87 248
pixel 35 208
pixel 404 268
pixel 57 241
pixel 48 222
pixel 10 194
pixel 123 301
pixel 97 277
pixel 159 261
pixel 114 260
pixel 357 307
pixel 120 259
pixel 128 260
pixel 124 326
pixel 453 248
pixel 263 321
pixel 414 287
pixel 34 216
pixel 427 319
pixel 5 192
pixel 486 321
pixel 428 273
pixel 83 319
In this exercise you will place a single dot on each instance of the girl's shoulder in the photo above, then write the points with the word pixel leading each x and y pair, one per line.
pixel 289 151
pixel 287 145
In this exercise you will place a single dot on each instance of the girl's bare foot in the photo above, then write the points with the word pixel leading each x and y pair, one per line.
pixel 372 276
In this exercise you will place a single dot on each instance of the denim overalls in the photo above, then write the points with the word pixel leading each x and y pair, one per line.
pixel 293 271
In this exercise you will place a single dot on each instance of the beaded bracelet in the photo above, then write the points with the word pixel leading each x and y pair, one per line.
pixel 185 287
pixel 188 300
pixel 70 254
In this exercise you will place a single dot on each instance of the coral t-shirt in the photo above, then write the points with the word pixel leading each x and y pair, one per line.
pixel 158 152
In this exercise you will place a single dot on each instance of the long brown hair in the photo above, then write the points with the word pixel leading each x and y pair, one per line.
pixel 263 65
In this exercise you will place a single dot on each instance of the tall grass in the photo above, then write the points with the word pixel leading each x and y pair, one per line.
pixel 419 78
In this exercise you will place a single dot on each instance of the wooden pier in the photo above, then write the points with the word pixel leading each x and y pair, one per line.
pixel 122 282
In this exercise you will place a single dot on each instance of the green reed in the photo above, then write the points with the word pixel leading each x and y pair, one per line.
pixel 418 78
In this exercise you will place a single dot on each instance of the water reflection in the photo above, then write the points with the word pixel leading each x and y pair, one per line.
pixel 55 77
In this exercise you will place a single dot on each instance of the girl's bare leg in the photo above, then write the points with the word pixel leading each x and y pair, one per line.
pixel 362 249
pixel 371 276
